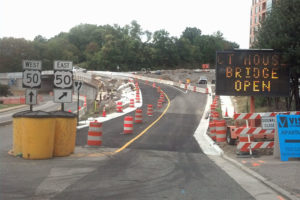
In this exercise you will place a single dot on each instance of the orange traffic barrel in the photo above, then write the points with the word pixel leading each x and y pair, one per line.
pixel 213 107
pixel 95 134
pixel 138 116
pixel 119 106
pixel 158 89
pixel 221 130
pixel 137 98
pixel 162 97
pixel 195 88
pixel 149 110
pixel 159 103
pixel 128 124
pixel 153 85
pixel 212 128
pixel 131 104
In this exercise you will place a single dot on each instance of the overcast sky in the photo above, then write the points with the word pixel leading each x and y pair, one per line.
pixel 29 18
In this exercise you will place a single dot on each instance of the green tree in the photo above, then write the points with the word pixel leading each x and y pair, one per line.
pixel 280 31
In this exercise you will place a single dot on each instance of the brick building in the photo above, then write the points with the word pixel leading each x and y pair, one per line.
pixel 259 10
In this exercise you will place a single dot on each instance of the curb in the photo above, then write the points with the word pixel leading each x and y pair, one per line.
pixel 5 123
pixel 262 179
pixel 12 108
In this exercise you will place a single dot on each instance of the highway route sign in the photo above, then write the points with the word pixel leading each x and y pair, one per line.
pixel 32 74
pixel 62 96
pixel 31 97
pixel 63 79
pixel 77 85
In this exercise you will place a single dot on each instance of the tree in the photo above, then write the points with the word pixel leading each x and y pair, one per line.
pixel 280 31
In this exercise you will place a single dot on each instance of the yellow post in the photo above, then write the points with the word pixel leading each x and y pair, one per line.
pixel 37 137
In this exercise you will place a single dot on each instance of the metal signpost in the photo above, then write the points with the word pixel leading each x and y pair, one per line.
pixel 63 82
pixel 77 86
pixel 31 80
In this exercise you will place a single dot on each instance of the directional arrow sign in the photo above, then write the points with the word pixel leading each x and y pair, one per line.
pixel 62 96
pixel 77 85
pixel 31 97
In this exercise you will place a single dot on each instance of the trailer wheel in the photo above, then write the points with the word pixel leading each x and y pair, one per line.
pixel 228 137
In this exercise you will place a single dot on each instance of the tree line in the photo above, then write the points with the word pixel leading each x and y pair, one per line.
pixel 106 47
pixel 281 31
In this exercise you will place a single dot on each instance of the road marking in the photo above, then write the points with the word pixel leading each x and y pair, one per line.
pixel 144 131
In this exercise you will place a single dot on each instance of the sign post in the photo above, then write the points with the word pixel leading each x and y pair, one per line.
pixel 77 86
pixel 63 82
pixel 31 80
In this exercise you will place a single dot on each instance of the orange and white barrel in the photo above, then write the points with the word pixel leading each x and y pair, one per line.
pixel 212 128
pixel 221 130
pixel 195 88
pixel 206 91
pixel 128 124
pixel 213 107
pixel 158 89
pixel 162 97
pixel 149 110
pixel 95 134
pixel 214 115
pixel 153 85
pixel 119 106
pixel 159 103
pixel 131 103
pixel 138 116
pixel 84 103
pixel 137 98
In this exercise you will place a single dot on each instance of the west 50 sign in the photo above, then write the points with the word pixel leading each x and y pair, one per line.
pixel 251 73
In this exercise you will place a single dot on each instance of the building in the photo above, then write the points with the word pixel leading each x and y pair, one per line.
pixel 259 10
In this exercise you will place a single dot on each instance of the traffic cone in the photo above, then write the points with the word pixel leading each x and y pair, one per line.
pixel 104 112
pixel 226 113
pixel 70 111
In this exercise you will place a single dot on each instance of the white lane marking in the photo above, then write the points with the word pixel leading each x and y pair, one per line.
pixel 58 180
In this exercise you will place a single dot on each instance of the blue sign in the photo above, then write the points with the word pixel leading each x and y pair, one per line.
pixel 289 136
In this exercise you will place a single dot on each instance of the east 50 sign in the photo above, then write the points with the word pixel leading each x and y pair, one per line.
pixel 251 73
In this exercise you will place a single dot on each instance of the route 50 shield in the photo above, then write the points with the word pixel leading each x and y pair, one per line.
pixel 63 79
pixel 32 79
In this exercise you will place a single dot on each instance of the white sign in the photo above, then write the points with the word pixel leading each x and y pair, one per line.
pixel 31 96
pixel 63 96
pixel 77 85
pixel 63 79
pixel 268 123
pixel 63 65
pixel 32 64
pixel 32 79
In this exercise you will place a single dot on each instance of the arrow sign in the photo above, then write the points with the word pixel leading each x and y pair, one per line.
pixel 62 96
pixel 31 97
pixel 31 94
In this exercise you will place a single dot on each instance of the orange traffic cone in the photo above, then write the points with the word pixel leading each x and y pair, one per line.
pixel 226 113
pixel 104 112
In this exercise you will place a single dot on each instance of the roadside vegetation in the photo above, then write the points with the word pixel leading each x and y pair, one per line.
pixel 280 31
pixel 114 48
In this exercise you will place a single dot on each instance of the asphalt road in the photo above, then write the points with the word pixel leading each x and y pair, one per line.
pixel 164 163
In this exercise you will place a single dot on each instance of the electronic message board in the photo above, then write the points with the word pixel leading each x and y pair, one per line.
pixel 251 73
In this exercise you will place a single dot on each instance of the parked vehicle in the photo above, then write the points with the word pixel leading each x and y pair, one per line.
pixel 202 80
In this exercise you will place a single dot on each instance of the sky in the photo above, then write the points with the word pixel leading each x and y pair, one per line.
pixel 29 18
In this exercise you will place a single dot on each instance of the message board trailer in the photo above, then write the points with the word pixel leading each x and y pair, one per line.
pixel 251 73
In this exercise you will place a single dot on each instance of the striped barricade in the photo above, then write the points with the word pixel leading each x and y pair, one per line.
pixel 246 116
pixel 246 146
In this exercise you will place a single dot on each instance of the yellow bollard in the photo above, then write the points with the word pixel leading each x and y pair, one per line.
pixel 65 133
pixel 37 135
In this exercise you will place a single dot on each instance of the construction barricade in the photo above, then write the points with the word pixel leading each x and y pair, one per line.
pixel 138 116
pixel 149 110
pixel 95 134
pixel 128 124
